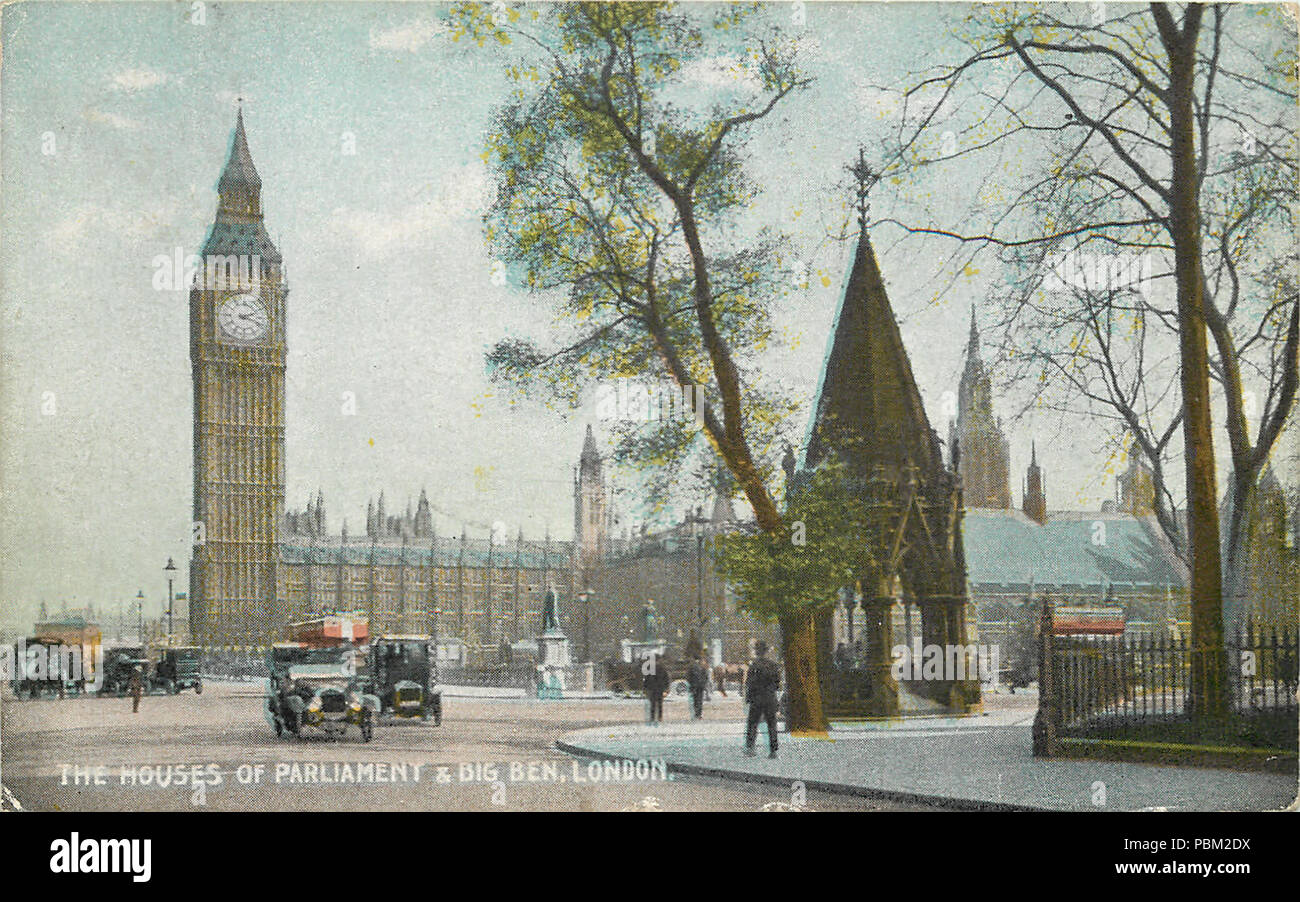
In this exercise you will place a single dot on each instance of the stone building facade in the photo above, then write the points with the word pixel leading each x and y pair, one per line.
pixel 478 590
pixel 406 578
pixel 1115 557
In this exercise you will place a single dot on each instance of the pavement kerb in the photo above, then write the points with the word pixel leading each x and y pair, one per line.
pixel 740 776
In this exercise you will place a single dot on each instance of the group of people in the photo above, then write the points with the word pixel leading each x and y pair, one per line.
pixel 761 686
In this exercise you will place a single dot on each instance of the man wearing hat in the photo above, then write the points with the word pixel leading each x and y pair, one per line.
pixel 761 685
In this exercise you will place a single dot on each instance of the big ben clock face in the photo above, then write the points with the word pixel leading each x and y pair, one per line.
pixel 242 318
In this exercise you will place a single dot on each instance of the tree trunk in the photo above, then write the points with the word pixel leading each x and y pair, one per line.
pixel 1207 690
pixel 798 629
pixel 1234 609
pixel 803 688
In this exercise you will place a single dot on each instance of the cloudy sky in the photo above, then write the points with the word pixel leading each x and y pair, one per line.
pixel 116 121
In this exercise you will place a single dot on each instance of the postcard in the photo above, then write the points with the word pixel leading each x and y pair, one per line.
pixel 632 407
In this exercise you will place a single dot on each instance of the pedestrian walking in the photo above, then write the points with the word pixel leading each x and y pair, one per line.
pixel 761 685
pixel 655 684
pixel 136 687
pixel 697 677
pixel 720 676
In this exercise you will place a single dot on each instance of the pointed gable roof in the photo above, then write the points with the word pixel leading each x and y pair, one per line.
pixel 868 407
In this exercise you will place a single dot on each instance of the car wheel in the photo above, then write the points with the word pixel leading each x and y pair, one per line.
pixel 198 688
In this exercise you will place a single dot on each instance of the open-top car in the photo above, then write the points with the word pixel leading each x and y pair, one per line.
pixel 404 675
pixel 322 697
pixel 180 668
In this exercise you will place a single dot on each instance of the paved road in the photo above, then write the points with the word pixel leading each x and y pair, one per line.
pixel 408 766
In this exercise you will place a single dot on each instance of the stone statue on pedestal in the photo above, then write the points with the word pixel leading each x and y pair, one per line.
pixel 552 651
pixel 550 613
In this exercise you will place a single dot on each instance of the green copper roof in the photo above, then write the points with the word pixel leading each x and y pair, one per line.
pixel 1004 548
pixel 247 238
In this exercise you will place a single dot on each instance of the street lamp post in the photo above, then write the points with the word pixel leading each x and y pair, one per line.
pixel 139 615
pixel 586 628
pixel 699 580
pixel 170 570
pixel 697 522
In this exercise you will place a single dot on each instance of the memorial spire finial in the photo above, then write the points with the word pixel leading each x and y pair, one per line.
pixel 864 178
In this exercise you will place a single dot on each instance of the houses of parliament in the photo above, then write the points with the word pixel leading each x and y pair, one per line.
pixel 1117 556
pixel 260 566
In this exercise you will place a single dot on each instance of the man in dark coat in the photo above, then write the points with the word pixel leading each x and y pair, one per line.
pixel 655 682
pixel 136 688
pixel 761 686
pixel 697 676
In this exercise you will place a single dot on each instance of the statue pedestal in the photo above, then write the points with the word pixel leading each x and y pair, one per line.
pixel 553 649
pixel 552 662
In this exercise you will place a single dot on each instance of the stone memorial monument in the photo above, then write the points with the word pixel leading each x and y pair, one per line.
pixel 552 650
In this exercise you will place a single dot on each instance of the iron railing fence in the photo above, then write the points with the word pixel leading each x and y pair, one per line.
pixel 1124 681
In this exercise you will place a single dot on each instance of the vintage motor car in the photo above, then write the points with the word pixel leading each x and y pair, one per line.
pixel 180 668
pixel 119 663
pixel 283 655
pixel 404 675
pixel 46 677
pixel 324 698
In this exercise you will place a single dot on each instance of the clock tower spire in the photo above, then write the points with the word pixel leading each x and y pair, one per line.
pixel 240 187
pixel 238 307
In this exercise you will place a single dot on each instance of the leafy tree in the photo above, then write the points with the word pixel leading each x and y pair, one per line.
pixel 623 205
pixel 820 547
pixel 794 573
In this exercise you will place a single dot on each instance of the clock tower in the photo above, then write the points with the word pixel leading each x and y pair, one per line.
pixel 237 358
